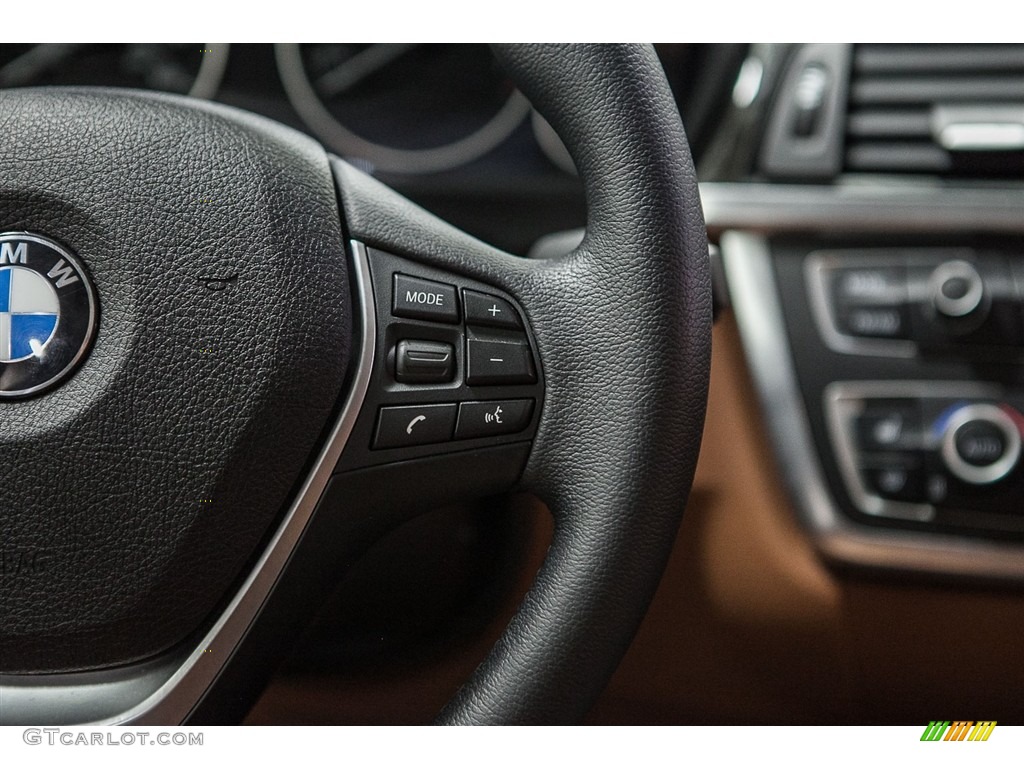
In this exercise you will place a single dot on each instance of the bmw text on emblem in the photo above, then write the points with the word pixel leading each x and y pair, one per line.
pixel 47 313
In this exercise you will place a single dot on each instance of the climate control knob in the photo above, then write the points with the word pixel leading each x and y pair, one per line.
pixel 981 442
pixel 958 292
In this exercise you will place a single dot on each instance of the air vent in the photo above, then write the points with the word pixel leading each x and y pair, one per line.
pixel 954 110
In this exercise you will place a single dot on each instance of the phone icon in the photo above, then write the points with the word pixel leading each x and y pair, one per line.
pixel 414 422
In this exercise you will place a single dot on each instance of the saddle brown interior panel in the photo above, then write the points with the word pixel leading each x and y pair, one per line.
pixel 748 626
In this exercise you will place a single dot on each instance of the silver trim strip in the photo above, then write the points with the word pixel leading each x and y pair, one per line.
pixel 758 313
pixel 881 206
pixel 72 699
pixel 81 696
pixel 211 71
pixel 973 128
pixel 751 280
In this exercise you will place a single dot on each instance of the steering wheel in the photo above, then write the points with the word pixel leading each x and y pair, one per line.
pixel 259 359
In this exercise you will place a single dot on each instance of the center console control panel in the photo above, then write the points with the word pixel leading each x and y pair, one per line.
pixel 942 453
pixel 902 302
pixel 909 359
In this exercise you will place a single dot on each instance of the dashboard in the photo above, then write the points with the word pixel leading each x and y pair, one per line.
pixel 856 518
pixel 898 300
pixel 440 123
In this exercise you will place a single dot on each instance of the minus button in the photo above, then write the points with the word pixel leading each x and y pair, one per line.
pixel 499 362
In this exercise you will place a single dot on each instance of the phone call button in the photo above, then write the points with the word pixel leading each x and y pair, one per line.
pixel 400 426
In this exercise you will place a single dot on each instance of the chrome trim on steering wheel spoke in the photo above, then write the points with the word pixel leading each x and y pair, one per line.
pixel 165 691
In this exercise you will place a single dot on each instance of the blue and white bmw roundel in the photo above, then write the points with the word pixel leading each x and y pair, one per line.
pixel 29 311
pixel 47 313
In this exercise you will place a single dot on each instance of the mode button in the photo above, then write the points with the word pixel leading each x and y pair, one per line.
pixel 424 300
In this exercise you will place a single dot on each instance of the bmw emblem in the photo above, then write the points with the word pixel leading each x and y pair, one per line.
pixel 47 313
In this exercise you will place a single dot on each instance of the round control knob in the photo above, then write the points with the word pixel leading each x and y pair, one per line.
pixel 981 443
pixel 957 290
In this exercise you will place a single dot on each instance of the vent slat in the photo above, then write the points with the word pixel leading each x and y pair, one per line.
pixel 900 95
pixel 915 158
pixel 904 124
pixel 908 59
pixel 941 90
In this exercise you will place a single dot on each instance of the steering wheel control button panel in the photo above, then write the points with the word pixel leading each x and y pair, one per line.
pixel 499 361
pixel 917 302
pixel 425 300
pixel 488 310
pixel 424 362
pixel 946 454
pixel 414 425
pixel 493 417
pixel 455 370
pixel 48 313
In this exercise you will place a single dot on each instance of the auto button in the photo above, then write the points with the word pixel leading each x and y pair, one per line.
pixel 981 442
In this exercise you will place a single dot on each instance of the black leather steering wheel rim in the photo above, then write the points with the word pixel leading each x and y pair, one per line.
pixel 623 328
